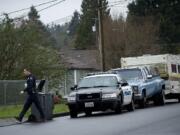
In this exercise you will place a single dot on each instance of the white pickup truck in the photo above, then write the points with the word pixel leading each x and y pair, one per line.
pixel 168 67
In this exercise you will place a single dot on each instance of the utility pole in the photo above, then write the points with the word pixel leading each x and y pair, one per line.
pixel 101 35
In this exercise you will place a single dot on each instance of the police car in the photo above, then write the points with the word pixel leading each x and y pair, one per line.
pixel 100 92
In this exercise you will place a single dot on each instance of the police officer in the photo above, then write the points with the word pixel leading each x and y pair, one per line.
pixel 32 96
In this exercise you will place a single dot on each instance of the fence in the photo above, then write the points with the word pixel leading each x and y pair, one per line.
pixel 10 92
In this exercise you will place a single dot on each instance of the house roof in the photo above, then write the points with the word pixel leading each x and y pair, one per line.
pixel 80 59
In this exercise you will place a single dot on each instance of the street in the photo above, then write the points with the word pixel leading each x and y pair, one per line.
pixel 164 120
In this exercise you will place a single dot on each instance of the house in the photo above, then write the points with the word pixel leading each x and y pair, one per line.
pixel 78 63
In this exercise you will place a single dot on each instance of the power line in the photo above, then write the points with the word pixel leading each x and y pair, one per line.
pixel 23 16
pixel 70 16
pixel 115 3
pixel 51 5
pixel 63 19
pixel 118 1
pixel 41 4
pixel 121 1
pixel 118 4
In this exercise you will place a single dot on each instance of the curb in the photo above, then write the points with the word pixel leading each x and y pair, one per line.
pixel 60 114
pixel 9 122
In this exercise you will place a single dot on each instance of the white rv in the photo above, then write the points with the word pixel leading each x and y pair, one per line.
pixel 167 65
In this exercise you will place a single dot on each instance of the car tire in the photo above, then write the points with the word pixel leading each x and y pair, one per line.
pixel 73 114
pixel 143 101
pixel 179 99
pixel 88 113
pixel 131 106
pixel 118 108
pixel 160 99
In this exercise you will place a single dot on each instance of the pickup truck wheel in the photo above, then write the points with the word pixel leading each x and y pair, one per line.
pixel 88 113
pixel 160 99
pixel 131 106
pixel 143 101
pixel 179 100
pixel 73 114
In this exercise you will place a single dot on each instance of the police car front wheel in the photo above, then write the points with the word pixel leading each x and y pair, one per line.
pixel 73 114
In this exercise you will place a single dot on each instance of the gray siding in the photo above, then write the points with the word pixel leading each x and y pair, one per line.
pixel 69 79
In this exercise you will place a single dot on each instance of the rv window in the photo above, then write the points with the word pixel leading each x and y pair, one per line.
pixel 179 69
pixel 173 68
pixel 154 71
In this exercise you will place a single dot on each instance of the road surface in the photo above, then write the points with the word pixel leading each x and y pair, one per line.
pixel 163 120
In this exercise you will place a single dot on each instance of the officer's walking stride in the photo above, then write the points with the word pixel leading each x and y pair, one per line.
pixel 32 96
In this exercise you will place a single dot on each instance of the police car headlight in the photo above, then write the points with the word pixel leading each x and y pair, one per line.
pixel 71 98
pixel 112 95
pixel 135 89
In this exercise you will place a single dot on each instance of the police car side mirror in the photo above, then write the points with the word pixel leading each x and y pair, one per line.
pixel 118 85
pixel 74 88
pixel 124 84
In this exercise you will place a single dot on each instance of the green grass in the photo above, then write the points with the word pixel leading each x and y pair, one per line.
pixel 60 108
pixel 11 111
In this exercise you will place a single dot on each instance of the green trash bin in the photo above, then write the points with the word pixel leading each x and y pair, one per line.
pixel 46 102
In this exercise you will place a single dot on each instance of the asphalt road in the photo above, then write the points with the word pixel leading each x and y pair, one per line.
pixel 163 120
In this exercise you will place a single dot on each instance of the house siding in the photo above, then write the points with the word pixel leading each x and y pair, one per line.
pixel 69 79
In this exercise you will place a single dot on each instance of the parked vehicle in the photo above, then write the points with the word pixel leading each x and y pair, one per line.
pixel 147 85
pixel 168 66
pixel 100 92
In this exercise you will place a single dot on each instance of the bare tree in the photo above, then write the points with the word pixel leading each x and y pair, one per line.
pixel 142 37
pixel 129 38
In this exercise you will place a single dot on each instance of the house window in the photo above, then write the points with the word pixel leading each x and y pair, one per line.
pixel 179 69
pixel 173 68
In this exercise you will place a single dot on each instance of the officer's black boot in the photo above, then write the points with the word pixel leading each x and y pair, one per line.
pixel 18 119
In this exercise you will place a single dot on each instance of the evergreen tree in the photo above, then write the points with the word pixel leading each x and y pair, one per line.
pixel 35 24
pixel 85 36
pixel 33 14
pixel 60 34
pixel 74 23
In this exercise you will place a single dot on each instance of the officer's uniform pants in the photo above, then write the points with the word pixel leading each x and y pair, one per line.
pixel 33 98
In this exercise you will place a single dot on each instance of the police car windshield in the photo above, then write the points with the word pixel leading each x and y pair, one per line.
pixel 98 81
pixel 130 74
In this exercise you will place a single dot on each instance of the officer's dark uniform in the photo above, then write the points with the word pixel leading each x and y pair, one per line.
pixel 32 97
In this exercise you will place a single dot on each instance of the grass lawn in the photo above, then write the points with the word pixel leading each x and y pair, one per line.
pixel 60 108
pixel 14 110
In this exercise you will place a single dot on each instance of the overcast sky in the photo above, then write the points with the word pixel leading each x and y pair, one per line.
pixel 55 13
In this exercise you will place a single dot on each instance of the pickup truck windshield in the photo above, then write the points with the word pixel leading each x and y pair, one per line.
pixel 130 74
pixel 100 81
